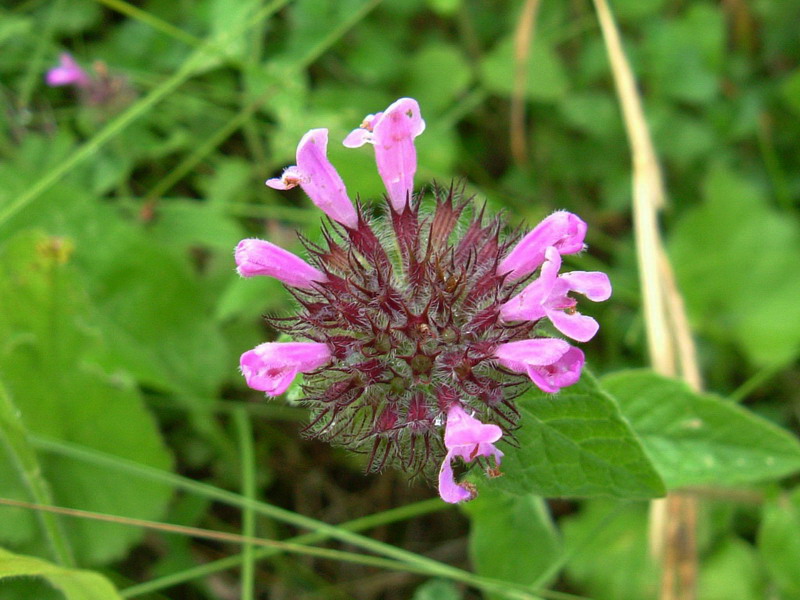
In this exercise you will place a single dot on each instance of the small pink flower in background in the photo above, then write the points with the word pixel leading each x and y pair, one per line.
pixel 562 230
pixel 319 179
pixel 547 297
pixel 272 366
pixel 258 257
pixel 68 72
pixel 550 363
pixel 467 438
pixel 392 132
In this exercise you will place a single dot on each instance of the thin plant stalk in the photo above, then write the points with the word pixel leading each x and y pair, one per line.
pixel 674 519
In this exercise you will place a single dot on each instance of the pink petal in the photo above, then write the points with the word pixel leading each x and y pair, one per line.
pixel 292 177
pixel 562 230
pixel 322 183
pixel 395 154
pixel 517 356
pixel 258 257
pixel 272 366
pixel 566 371
pixel 449 490
pixel 357 138
pixel 528 305
pixel 68 72
pixel 463 429
pixel 592 284
pixel 575 325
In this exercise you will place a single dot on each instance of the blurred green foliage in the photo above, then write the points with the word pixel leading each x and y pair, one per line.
pixel 121 317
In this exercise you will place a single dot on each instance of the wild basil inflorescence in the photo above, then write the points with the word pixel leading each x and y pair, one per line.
pixel 419 327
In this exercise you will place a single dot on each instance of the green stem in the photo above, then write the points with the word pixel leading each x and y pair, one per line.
pixel 24 458
pixel 411 561
pixel 369 522
pixel 244 431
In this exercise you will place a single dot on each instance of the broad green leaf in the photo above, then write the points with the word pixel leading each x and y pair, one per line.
pixel 735 258
pixel 547 78
pixel 48 341
pixel 75 584
pixel 779 542
pixel 500 522
pixel 696 439
pixel 576 443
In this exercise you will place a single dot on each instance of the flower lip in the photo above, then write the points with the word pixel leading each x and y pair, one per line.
pixel 467 438
pixel 547 296
pixel 549 362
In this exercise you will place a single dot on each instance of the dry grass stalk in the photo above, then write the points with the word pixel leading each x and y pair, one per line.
pixel 523 38
pixel 673 519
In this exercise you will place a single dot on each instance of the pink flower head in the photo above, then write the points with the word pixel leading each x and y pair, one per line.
pixel 271 367
pixel 562 230
pixel 68 72
pixel 319 179
pixel 550 363
pixel 465 437
pixel 257 257
pixel 547 297
pixel 392 132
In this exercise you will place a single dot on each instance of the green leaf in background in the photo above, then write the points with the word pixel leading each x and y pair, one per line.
pixel 576 443
pixel 425 81
pixel 437 589
pixel 696 439
pixel 737 261
pixel 75 584
pixel 779 542
pixel 500 522
pixel 731 572
pixel 611 559
pixel 48 341
pixel 547 77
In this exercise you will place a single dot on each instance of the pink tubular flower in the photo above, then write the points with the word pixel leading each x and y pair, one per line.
pixel 257 257
pixel 465 437
pixel 550 363
pixel 562 230
pixel 68 72
pixel 392 132
pixel 547 297
pixel 271 367
pixel 319 179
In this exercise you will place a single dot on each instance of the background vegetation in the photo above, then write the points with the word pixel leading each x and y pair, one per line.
pixel 122 319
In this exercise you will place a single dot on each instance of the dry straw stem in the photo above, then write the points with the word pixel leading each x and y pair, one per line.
pixel 523 38
pixel 674 519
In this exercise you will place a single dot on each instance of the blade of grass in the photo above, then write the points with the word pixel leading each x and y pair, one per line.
pixel 138 109
pixel 410 559
pixel 361 524
pixel 221 536
pixel 244 432
pixel 15 436
pixel 156 23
